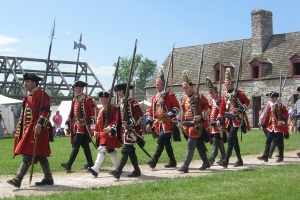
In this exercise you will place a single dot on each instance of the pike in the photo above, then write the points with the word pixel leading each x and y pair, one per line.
pixel 42 101
pixel 279 98
pixel 138 139
pixel 79 46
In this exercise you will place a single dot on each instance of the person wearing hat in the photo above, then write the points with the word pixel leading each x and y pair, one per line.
pixel 83 112
pixel 162 113
pixel 295 114
pixel 105 141
pixel 33 123
pixel 276 124
pixel 196 131
pixel 218 143
pixel 234 104
pixel 128 131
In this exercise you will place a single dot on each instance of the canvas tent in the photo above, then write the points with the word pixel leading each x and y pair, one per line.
pixel 7 114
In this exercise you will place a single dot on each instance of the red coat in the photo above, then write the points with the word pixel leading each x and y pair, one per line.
pixel 135 115
pixel 271 119
pixel 228 104
pixel 85 109
pixel 213 114
pixel 163 104
pixel 102 137
pixel 202 109
pixel 29 118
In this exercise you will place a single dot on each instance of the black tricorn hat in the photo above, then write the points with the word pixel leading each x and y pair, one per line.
pixel 32 76
pixel 103 94
pixel 79 84
pixel 122 86
pixel 272 94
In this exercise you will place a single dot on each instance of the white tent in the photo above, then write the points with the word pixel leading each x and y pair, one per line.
pixel 9 101
pixel 145 104
pixel 64 109
pixel 7 114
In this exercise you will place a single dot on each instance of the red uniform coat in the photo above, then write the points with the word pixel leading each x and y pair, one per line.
pixel 228 104
pixel 29 118
pixel 213 114
pixel 102 137
pixel 135 117
pixel 271 119
pixel 83 109
pixel 161 104
pixel 202 110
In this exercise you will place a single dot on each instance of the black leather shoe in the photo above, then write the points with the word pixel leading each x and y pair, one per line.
pixel 263 157
pixel 92 171
pixel 151 164
pixel 219 161
pixel 15 182
pixel 298 154
pixel 211 161
pixel 171 164
pixel 183 169
pixel 134 174
pixel 86 166
pixel 66 166
pixel 45 181
pixel 223 164
pixel 238 163
pixel 115 174
pixel 204 166
pixel 279 159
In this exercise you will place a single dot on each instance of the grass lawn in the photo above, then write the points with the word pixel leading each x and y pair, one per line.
pixel 252 143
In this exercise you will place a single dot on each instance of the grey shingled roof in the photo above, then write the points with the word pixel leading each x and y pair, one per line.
pixel 280 49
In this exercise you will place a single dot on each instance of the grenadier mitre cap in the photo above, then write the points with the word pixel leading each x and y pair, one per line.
pixel 79 84
pixel 160 75
pixel 32 76
pixel 210 85
pixel 186 78
pixel 272 94
pixel 228 74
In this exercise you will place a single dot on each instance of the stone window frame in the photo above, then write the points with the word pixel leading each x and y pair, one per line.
pixel 254 64
pixel 295 59
pixel 216 68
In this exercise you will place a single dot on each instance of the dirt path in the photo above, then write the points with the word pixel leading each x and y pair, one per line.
pixel 83 179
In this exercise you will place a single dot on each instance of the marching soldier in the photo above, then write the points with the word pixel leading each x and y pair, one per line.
pixel 83 112
pixel 33 123
pixel 275 122
pixel 104 140
pixel 162 113
pixel 234 104
pixel 296 112
pixel 217 132
pixel 194 110
pixel 129 132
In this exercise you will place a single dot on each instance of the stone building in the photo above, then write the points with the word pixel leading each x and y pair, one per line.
pixel 264 57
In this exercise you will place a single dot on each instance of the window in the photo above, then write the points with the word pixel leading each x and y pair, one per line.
pixel 255 69
pixel 295 66
pixel 217 72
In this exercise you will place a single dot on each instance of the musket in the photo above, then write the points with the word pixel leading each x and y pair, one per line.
pixel 137 138
pixel 196 99
pixel 169 67
pixel 231 115
pixel 220 82
pixel 111 93
pixel 279 98
pixel 42 101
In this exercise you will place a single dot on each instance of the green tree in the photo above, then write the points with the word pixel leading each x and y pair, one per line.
pixel 142 72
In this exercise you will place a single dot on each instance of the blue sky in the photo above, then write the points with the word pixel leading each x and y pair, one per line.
pixel 109 28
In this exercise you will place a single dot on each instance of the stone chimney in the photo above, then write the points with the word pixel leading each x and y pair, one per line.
pixel 262 30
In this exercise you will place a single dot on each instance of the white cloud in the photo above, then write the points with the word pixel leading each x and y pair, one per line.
pixel 8 50
pixel 104 71
pixel 68 32
pixel 7 40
